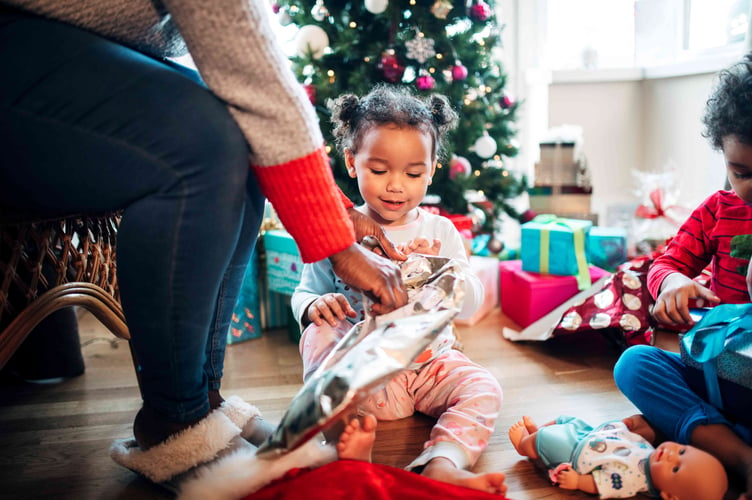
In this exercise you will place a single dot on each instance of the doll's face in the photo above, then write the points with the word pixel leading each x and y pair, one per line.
pixel 738 166
pixel 682 472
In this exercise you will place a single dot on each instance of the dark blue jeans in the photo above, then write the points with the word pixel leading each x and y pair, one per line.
pixel 87 125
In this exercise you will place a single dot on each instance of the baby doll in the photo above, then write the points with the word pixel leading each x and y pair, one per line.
pixel 615 460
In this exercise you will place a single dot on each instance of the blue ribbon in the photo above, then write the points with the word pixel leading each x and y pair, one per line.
pixel 709 337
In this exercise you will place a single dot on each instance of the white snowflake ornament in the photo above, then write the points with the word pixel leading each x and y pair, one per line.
pixel 420 48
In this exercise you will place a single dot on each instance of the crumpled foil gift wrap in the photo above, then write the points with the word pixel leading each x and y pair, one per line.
pixel 373 352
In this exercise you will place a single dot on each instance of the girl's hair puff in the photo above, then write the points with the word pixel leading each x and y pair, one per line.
pixel 728 110
pixel 352 116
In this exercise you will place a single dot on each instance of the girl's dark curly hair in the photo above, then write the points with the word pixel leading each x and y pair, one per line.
pixel 353 116
pixel 729 108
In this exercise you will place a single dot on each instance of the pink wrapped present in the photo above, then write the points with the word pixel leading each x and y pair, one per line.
pixel 527 296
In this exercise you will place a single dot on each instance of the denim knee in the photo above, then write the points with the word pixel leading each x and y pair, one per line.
pixel 631 367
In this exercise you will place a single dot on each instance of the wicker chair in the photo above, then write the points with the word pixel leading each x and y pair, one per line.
pixel 48 264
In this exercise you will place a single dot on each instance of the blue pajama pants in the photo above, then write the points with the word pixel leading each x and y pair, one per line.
pixel 673 397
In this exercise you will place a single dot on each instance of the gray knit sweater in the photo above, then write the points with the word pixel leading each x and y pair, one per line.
pixel 235 50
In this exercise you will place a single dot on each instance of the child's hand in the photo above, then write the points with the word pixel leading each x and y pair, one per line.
pixel 672 304
pixel 332 308
pixel 421 245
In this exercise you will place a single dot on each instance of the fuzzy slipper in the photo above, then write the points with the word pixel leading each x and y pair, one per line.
pixel 216 435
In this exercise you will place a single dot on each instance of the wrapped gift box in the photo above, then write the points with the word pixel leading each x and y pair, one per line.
pixel 564 237
pixel 734 361
pixel 528 296
pixel 461 222
pixel 606 247
pixel 283 263
pixel 487 270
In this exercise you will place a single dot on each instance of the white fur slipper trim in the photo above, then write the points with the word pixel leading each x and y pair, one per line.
pixel 241 473
pixel 238 411
pixel 195 445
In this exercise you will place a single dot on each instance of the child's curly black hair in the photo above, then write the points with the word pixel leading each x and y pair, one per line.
pixel 729 108
pixel 387 104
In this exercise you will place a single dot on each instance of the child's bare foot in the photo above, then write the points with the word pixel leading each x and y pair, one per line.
pixel 442 469
pixel 356 441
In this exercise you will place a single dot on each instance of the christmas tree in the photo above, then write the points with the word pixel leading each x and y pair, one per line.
pixel 345 46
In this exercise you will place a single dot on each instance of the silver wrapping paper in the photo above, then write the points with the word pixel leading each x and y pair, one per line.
pixel 372 353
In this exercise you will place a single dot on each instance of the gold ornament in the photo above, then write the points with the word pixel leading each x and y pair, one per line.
pixel 441 8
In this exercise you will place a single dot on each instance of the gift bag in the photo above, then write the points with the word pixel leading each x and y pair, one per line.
pixel 620 311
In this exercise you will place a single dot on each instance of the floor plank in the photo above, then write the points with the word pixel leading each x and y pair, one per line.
pixel 55 439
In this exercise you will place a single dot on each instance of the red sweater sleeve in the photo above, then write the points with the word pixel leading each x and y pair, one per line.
pixel 716 232
pixel 309 204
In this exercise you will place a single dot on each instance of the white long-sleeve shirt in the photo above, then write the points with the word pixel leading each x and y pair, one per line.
pixel 318 278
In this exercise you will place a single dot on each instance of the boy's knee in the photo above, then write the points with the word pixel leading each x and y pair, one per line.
pixel 631 366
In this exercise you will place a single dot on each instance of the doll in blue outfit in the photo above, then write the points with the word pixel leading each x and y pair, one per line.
pixel 616 460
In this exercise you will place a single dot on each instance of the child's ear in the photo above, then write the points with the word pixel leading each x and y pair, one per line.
pixel 350 163
pixel 432 172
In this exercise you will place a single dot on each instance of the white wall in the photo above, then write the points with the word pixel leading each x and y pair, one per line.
pixel 643 124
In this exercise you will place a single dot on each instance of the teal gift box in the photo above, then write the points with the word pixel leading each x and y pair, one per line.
pixel 606 247
pixel 720 345
pixel 555 245
pixel 283 263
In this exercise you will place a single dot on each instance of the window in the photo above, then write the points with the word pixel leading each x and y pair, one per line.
pixel 716 23
pixel 643 33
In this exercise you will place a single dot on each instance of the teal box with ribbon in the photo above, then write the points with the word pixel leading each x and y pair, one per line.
pixel 720 345
pixel 555 245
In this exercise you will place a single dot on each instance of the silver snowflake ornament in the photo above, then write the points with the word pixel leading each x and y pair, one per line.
pixel 420 48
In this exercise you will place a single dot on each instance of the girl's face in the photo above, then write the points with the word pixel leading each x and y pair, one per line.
pixel 738 166
pixel 394 167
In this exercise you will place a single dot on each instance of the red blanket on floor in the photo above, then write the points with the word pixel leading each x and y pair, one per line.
pixel 356 480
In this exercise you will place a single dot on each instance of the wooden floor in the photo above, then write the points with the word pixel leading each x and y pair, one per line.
pixel 54 439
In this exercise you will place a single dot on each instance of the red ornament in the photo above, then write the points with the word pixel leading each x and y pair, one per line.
pixel 459 72
pixel 506 102
pixel 527 215
pixel 480 11
pixel 425 82
pixel 310 90
pixel 390 67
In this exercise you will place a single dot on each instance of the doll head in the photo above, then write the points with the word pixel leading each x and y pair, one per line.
pixel 683 472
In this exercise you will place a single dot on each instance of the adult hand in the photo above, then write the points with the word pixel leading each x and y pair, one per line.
pixel 672 304
pixel 365 226
pixel 376 276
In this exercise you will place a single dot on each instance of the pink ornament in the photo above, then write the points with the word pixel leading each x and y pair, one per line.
pixel 459 72
pixel 275 8
pixel 480 11
pixel 390 67
pixel 425 82
pixel 459 166
pixel 506 102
